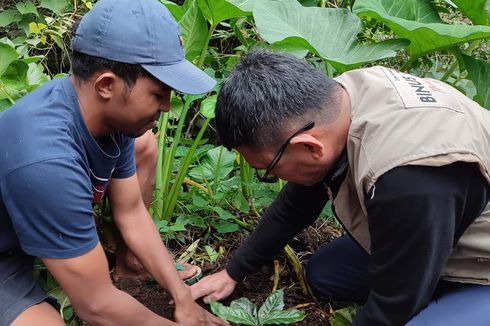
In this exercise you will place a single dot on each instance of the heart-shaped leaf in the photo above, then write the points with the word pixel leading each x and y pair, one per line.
pixel 330 33
pixel 415 20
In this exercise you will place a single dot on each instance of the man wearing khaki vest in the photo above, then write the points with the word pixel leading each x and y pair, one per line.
pixel 405 162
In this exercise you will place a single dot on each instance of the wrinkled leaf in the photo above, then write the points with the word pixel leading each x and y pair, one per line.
pixel 9 16
pixel 283 317
pixel 26 7
pixel 476 10
pixel 414 20
pixel 194 30
pixel 241 311
pixel 479 74
pixel 216 164
pixel 274 302
pixel 208 106
pixel 217 11
pixel 330 33
pixel 56 6
pixel 7 56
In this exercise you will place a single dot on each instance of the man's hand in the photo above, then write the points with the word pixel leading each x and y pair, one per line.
pixel 214 287
pixel 191 314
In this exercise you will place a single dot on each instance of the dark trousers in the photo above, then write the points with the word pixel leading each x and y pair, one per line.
pixel 339 271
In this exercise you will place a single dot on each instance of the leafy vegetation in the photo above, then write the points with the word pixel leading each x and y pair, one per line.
pixel 242 311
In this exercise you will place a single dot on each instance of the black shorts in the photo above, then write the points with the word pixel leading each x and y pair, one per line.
pixel 18 288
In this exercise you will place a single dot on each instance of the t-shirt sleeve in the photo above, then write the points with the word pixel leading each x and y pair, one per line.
pixel 50 206
pixel 126 163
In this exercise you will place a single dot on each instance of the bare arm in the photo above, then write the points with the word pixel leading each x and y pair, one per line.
pixel 86 281
pixel 141 236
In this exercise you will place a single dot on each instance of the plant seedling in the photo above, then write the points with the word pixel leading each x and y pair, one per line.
pixel 244 312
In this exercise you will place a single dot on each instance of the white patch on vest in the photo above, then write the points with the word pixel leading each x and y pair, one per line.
pixel 416 92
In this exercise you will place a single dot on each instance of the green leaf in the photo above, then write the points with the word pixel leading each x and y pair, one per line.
pixel 414 20
pixel 15 79
pixel 194 30
pixel 36 75
pixel 217 11
pixel 246 6
pixel 9 16
pixel 4 104
pixel 342 317
pixel 216 164
pixel 27 7
pixel 284 317
pixel 208 106
pixel 274 302
pixel 476 10
pixel 199 202
pixel 479 74
pixel 55 6
pixel 329 33
pixel 7 56
pixel 213 254
pixel 241 203
pixel 226 227
pixel 176 10
pixel 224 215
pixel 241 311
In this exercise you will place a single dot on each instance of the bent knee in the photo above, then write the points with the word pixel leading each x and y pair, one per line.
pixel 146 148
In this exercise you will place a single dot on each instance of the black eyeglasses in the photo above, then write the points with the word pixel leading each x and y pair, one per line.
pixel 272 178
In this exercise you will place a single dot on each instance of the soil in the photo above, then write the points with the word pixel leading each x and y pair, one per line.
pixel 256 286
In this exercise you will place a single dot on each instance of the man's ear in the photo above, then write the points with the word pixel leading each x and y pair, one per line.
pixel 314 146
pixel 104 85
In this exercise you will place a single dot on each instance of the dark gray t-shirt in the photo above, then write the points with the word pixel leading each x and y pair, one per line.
pixel 52 171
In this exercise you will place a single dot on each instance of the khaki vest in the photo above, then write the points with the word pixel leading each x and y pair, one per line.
pixel 399 119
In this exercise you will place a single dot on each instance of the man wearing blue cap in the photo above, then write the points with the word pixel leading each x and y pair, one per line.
pixel 68 142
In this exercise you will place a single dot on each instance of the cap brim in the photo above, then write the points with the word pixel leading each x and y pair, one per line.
pixel 182 76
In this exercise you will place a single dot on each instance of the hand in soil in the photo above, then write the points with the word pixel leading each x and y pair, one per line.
pixel 214 287
pixel 192 314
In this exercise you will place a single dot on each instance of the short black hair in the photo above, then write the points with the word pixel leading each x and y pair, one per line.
pixel 84 66
pixel 268 94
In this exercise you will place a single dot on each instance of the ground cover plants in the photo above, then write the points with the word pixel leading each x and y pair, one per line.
pixel 206 197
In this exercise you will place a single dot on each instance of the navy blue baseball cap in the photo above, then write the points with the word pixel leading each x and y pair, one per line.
pixel 140 32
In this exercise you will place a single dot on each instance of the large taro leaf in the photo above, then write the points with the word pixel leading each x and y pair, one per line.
pixel 274 302
pixel 217 164
pixel 479 74
pixel 411 19
pixel 476 10
pixel 194 30
pixel 329 33
pixel 245 5
pixel 217 11
pixel 240 311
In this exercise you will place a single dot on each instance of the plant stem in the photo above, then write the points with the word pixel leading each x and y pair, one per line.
pixel 205 49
